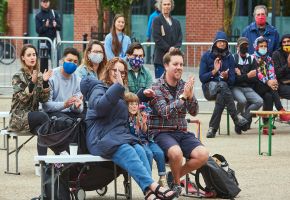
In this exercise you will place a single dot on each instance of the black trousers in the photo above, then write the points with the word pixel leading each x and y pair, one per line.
pixel 269 96
pixel 284 91
pixel 35 120
pixel 223 98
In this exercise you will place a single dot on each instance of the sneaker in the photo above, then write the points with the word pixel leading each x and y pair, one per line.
pixel 265 131
pixel 176 188
pixel 240 120
pixel 211 132
pixel 37 170
pixel 238 130
pixel 163 182
pixel 169 178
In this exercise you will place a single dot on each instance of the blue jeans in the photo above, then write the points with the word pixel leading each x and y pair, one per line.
pixel 159 70
pixel 127 158
pixel 147 161
pixel 154 151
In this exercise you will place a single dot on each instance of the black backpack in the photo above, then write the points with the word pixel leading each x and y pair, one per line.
pixel 218 178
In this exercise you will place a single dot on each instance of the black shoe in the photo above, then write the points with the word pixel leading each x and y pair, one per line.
pixel 238 130
pixel 169 179
pixel 177 189
pixel 211 132
pixel 240 121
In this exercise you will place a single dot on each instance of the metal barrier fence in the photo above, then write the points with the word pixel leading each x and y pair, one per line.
pixel 192 51
pixel 10 47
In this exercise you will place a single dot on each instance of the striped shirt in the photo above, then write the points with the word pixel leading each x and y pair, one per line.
pixel 169 112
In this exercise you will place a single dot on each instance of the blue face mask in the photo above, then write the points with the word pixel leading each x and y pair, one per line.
pixel 262 51
pixel 136 63
pixel 69 67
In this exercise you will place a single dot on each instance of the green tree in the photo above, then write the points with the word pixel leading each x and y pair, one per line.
pixel 3 16
pixel 121 7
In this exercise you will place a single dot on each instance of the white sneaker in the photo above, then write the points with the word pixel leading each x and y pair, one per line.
pixel 37 170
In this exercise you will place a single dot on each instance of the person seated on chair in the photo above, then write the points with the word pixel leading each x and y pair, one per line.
pixel 217 75
pixel 267 86
pixel 65 97
pixel 281 59
pixel 246 78
pixel 173 99
pixel 139 76
pixel 108 133
pixel 30 88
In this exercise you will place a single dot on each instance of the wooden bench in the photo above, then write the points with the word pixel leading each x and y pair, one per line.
pixel 14 135
pixel 271 115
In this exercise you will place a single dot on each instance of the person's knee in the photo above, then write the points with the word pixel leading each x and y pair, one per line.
pixel 201 154
pixel 259 102
pixel 175 154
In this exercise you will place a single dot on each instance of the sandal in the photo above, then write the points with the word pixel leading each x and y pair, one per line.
pixel 147 197
pixel 162 195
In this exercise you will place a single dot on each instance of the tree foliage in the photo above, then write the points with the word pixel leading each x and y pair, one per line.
pixel 121 7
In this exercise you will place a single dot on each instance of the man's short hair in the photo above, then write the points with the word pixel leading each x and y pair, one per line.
pixel 71 50
pixel 260 7
pixel 133 46
pixel 169 54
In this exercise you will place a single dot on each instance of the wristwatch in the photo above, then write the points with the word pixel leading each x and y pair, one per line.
pixel 182 97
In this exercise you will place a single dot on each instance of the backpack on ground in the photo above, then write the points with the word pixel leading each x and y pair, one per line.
pixel 218 177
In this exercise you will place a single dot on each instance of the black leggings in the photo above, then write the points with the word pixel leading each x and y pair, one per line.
pixel 35 120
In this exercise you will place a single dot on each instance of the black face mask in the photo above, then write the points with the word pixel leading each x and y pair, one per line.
pixel 243 50
pixel 219 52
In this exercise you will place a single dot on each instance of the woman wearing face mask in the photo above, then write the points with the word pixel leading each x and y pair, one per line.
pixel 116 42
pixel 94 60
pixel 138 76
pixel 30 87
pixel 267 86
pixel 108 134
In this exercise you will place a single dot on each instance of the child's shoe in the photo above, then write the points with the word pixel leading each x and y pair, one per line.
pixel 163 182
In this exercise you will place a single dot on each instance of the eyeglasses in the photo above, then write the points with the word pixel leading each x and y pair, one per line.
pixel 133 104
pixel 97 51
pixel 123 73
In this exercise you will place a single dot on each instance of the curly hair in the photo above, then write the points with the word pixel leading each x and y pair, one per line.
pixel 109 66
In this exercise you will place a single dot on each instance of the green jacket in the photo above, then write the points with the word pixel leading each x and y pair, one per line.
pixel 24 102
pixel 143 80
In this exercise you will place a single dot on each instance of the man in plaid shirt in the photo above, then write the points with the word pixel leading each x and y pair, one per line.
pixel 173 99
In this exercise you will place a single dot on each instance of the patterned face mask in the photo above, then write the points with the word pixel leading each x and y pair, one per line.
pixel 136 63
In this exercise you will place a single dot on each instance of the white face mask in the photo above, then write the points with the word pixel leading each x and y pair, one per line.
pixel 96 58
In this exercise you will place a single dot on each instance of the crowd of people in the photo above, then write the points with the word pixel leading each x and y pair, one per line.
pixel 132 120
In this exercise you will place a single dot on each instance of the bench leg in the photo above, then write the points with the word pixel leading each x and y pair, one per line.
pixel 16 154
pixel 228 123
pixel 270 127
pixel 8 153
pixel 260 130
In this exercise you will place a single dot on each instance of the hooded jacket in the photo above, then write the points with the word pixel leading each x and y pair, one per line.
pixel 271 34
pixel 280 62
pixel 106 118
pixel 207 64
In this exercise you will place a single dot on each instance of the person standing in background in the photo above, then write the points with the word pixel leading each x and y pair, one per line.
pixel 167 34
pixel 116 42
pixel 260 27
pixel 155 14
pixel 47 22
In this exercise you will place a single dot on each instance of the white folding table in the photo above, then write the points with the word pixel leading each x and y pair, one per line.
pixel 62 159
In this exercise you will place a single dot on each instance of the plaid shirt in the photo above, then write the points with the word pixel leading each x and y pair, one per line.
pixel 168 111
